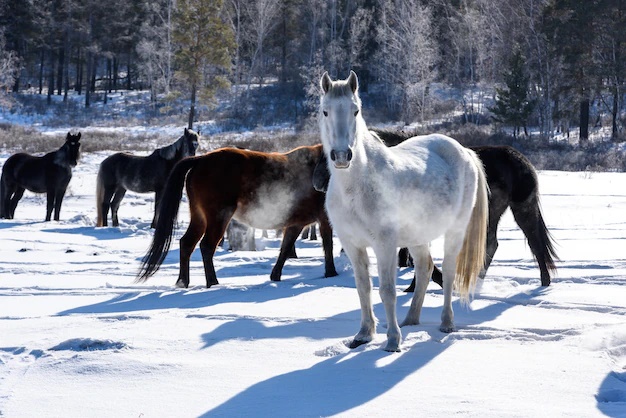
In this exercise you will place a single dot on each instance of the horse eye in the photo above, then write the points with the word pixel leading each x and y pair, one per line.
pixel 325 113
pixel 356 112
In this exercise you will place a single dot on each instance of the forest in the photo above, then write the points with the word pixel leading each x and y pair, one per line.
pixel 547 66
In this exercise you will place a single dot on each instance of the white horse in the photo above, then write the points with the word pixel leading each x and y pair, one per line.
pixel 407 195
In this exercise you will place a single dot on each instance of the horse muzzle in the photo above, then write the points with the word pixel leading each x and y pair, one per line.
pixel 341 158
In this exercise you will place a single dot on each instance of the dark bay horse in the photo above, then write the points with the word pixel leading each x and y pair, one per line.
pixel 263 190
pixel 49 174
pixel 513 184
pixel 122 171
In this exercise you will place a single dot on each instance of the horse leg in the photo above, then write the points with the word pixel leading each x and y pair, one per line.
pixel 498 202
pixel 360 264
pixel 452 247
pixel 58 200
pixel 105 205
pixel 423 269
pixel 157 203
pixel 49 203
pixel 213 233
pixel 115 205
pixel 8 192
pixel 289 240
pixel 387 270
pixel 528 217
pixel 188 242
pixel 404 258
pixel 19 192
pixel 326 232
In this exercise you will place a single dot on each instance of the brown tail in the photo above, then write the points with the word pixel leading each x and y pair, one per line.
pixel 471 259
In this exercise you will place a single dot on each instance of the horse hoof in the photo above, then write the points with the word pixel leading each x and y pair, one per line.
pixel 355 343
pixel 275 279
pixel 410 289
pixel 182 285
pixel 331 274
pixel 447 328
pixel 392 348
pixel 545 283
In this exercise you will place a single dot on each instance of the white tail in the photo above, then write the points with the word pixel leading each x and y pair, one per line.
pixel 471 259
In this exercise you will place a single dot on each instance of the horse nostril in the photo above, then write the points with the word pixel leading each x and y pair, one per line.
pixel 349 155
pixel 333 155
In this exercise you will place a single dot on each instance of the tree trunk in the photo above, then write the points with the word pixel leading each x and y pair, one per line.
pixel 66 67
pixel 51 78
pixel 584 120
pixel 115 72
pixel 614 112
pixel 87 78
pixel 192 109
pixel 60 71
pixel 79 73
pixel 41 65
pixel 128 84
pixel 107 87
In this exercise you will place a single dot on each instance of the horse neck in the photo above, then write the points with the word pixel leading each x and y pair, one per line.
pixel 62 156
pixel 365 145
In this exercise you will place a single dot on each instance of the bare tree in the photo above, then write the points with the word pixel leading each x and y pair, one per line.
pixel 262 17
pixel 407 54
pixel 8 71
pixel 155 48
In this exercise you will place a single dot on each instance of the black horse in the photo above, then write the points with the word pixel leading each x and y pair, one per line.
pixel 123 171
pixel 49 174
pixel 513 184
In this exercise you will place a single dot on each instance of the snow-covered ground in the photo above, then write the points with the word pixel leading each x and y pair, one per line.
pixel 78 337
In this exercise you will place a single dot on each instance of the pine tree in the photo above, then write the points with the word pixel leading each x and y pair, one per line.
pixel 513 106
pixel 205 43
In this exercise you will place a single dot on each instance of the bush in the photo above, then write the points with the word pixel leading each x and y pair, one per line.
pixel 14 138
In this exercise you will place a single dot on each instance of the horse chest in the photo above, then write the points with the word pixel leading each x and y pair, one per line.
pixel 267 207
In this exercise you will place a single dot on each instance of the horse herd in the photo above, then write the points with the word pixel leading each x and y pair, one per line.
pixel 377 189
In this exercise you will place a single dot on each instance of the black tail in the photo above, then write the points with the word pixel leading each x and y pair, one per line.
pixel 2 199
pixel 530 219
pixel 166 218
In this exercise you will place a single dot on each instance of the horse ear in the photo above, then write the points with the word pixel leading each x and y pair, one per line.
pixel 186 131
pixel 353 81
pixel 198 132
pixel 325 82
pixel 78 137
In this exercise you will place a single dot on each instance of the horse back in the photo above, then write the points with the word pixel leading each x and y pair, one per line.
pixel 508 170
pixel 141 174
pixel 265 190
pixel 28 171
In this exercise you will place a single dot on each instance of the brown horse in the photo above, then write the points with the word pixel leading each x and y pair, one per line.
pixel 263 190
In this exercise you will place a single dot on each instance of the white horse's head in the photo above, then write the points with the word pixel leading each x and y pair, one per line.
pixel 340 108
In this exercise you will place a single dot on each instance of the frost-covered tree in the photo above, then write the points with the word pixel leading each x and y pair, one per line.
pixel 262 17
pixel 155 48
pixel 407 55
pixel 8 71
